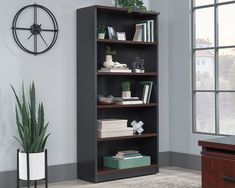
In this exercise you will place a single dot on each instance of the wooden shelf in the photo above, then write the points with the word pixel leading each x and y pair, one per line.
pixel 110 171
pixel 145 135
pixel 126 74
pixel 108 106
pixel 109 41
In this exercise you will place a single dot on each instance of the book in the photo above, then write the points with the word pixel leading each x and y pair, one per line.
pixel 127 152
pixel 145 94
pixel 125 129
pixel 126 157
pixel 126 70
pixel 150 83
pixel 138 33
pixel 102 134
pixel 118 156
pixel 111 124
pixel 129 102
pixel 152 30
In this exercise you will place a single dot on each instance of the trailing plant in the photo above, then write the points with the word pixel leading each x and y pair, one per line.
pixel 30 122
pixel 131 5
pixel 109 51
pixel 126 86
pixel 101 29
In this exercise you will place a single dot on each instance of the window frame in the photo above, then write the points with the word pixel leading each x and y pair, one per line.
pixel 216 91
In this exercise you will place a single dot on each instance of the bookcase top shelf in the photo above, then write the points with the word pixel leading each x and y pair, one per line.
pixel 145 135
pixel 117 10
pixel 126 74
pixel 108 106
pixel 110 41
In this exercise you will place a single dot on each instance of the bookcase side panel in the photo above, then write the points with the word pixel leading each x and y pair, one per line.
pixel 86 94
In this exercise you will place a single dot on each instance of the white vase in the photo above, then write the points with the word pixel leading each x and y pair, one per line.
pixel 126 94
pixel 36 166
pixel 108 62
pixel 101 35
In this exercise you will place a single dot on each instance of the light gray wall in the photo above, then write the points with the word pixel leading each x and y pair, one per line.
pixel 175 52
pixel 54 74
pixel 162 7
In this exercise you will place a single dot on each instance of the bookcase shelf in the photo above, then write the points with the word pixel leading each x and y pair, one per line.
pixel 90 84
pixel 136 136
pixel 107 106
pixel 126 74
pixel 108 41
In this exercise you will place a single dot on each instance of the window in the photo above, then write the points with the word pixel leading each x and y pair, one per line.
pixel 213 66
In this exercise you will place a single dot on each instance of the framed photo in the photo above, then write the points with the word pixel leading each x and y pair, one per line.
pixel 121 35
pixel 111 33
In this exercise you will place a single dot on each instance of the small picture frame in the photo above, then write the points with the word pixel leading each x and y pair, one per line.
pixel 111 33
pixel 121 36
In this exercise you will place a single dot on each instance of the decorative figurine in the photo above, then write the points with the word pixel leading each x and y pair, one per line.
pixel 137 127
pixel 138 65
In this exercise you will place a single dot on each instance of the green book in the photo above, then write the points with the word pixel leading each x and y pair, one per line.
pixel 111 162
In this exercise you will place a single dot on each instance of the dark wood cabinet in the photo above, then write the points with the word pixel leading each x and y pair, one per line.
pixel 218 163
pixel 90 83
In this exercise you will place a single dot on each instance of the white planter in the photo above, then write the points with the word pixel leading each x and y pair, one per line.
pixel 36 166
pixel 101 35
pixel 126 94
pixel 108 62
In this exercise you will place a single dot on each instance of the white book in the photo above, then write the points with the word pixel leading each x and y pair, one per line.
pixel 125 129
pixel 111 121
pixel 138 33
pixel 114 134
pixel 115 126
pixel 125 158
pixel 148 31
pixel 115 70
pixel 145 94
pixel 130 102
pixel 152 30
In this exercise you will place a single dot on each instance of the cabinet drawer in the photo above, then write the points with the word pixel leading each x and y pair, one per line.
pixel 218 172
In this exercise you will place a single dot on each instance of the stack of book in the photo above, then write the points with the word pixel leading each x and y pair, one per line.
pixel 128 101
pixel 144 31
pixel 125 70
pixel 113 128
pixel 147 90
pixel 127 159
pixel 128 154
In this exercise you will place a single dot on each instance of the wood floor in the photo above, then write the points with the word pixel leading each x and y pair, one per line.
pixel 174 174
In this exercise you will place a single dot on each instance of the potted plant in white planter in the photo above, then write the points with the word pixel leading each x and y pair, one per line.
pixel 32 136
pixel 126 90
pixel 109 57
pixel 101 31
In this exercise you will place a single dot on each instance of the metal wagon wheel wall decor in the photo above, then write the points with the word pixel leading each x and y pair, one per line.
pixel 36 30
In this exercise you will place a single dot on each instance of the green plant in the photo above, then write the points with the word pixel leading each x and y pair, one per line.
pixel 131 5
pixel 101 29
pixel 126 86
pixel 109 51
pixel 30 122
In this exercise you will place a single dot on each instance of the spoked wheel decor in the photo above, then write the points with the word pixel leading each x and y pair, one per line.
pixel 42 31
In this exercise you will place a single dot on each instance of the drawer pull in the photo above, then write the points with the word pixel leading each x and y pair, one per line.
pixel 229 178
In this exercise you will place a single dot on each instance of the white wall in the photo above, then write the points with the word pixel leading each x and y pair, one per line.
pixel 54 74
pixel 175 50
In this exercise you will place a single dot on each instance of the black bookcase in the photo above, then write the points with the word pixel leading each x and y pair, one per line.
pixel 90 83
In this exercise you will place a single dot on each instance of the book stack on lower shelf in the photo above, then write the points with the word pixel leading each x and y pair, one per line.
pixel 115 70
pixel 127 159
pixel 128 101
pixel 113 128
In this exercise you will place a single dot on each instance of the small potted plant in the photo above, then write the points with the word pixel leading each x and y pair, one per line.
pixel 130 5
pixel 126 90
pixel 32 129
pixel 109 57
pixel 101 31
